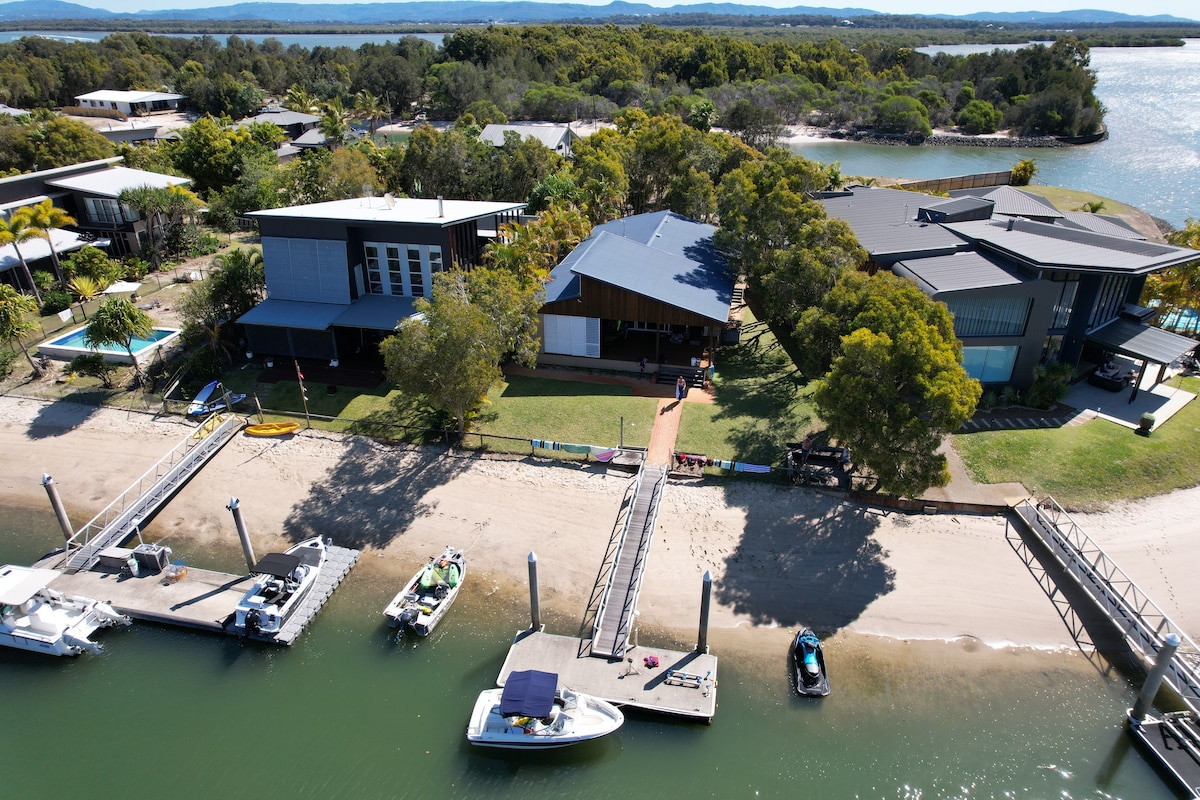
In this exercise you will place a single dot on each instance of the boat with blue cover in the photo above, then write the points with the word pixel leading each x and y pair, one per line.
pixel 213 397
pixel 808 664
pixel 532 712
pixel 428 595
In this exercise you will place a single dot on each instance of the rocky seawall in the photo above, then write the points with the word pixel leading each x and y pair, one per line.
pixel 956 140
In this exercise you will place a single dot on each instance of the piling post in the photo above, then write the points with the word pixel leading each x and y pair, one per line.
pixel 535 611
pixel 1154 679
pixel 247 550
pixel 705 602
pixel 64 521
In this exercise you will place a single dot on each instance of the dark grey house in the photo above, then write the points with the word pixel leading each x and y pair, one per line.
pixel 341 275
pixel 1025 282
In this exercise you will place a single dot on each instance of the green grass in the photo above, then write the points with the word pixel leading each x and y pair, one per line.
pixel 760 403
pixel 1085 467
pixel 565 411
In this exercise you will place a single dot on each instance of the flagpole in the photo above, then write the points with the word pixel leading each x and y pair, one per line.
pixel 303 393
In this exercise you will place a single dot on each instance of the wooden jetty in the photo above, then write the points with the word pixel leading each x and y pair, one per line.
pixel 683 684
pixel 202 598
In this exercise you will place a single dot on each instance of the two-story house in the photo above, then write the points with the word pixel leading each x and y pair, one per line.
pixel 1024 281
pixel 342 274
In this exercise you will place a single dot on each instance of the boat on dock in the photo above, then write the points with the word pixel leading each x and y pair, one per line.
pixel 37 618
pixel 281 582
pixel 808 664
pixel 531 712
pixel 428 595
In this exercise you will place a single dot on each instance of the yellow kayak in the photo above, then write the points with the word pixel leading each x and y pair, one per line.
pixel 207 427
pixel 272 428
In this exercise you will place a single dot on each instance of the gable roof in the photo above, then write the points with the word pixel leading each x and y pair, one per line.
pixel 123 96
pixel 281 117
pixel 1042 245
pixel 112 181
pixel 662 255
pixel 1099 223
pixel 1013 202
pixel 553 136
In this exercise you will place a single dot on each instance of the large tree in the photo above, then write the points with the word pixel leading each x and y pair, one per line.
pixel 897 387
pixel 449 352
pixel 16 230
pixel 45 217
pixel 16 321
pixel 118 322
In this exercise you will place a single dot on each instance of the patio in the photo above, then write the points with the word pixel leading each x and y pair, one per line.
pixel 1163 400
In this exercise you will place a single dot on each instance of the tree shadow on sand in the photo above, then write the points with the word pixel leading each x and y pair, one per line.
pixel 62 416
pixel 373 494
pixel 809 560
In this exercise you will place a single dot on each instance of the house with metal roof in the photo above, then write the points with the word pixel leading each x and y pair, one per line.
pixel 650 286
pixel 342 274
pixel 559 138
pixel 130 103
pixel 1024 281
pixel 294 124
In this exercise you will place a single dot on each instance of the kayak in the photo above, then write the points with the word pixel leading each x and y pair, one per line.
pixel 272 428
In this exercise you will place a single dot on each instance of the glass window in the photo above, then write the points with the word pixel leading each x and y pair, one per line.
pixel 990 364
pixel 989 316
pixel 374 274
pixel 1063 304
pixel 416 278
pixel 395 270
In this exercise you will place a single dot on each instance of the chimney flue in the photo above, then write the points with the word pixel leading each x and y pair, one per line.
pixel 441 213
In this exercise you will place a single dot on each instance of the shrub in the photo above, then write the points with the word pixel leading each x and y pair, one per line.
pixel 7 359
pixel 93 365
pixel 1010 396
pixel 989 400
pixel 204 244
pixel 1022 174
pixel 1050 384
pixel 136 268
pixel 54 301
pixel 979 116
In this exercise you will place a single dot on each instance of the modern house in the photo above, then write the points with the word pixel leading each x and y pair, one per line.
pixel 342 274
pixel 559 138
pixel 650 286
pixel 130 103
pixel 1024 281
pixel 86 191
pixel 294 124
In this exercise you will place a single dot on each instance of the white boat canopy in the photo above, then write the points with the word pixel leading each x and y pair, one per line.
pixel 19 584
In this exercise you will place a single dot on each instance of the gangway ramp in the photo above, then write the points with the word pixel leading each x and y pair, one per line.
pixel 1144 625
pixel 121 518
pixel 614 617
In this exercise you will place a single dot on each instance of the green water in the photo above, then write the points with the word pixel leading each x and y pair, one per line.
pixel 347 713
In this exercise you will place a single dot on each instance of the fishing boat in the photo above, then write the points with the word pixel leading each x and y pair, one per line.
pixel 212 398
pixel 531 712
pixel 808 664
pixel 35 617
pixel 426 598
pixel 272 428
pixel 281 580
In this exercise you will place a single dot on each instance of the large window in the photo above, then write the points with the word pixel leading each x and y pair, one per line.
pixel 990 364
pixel 1063 304
pixel 989 316
pixel 1109 301
pixel 404 270
pixel 104 211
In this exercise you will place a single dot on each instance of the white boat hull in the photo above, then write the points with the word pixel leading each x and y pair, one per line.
pixel 266 607
pixel 420 608
pixel 577 718
pixel 42 620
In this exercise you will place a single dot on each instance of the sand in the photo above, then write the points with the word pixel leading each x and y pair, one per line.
pixel 780 557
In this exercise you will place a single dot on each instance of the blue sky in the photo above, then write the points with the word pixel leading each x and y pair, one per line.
pixel 1186 9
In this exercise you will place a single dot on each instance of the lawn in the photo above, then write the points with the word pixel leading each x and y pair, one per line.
pixel 565 411
pixel 760 404
pixel 1085 467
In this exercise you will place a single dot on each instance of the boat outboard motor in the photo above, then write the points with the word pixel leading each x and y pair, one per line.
pixel 408 617
pixel 252 621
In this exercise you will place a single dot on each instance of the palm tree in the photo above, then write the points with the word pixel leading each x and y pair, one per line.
pixel 15 321
pixel 118 321
pixel 86 288
pixel 16 231
pixel 150 203
pixel 368 107
pixel 298 99
pixel 43 218
pixel 334 120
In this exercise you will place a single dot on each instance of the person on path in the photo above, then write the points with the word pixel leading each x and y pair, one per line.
pixel 680 389
pixel 642 364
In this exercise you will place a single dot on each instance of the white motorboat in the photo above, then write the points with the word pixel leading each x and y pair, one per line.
pixel 35 617
pixel 281 582
pixel 532 713
pixel 427 597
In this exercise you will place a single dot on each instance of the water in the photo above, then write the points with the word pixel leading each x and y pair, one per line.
pixel 137 344
pixel 347 713
pixel 306 40
pixel 1151 159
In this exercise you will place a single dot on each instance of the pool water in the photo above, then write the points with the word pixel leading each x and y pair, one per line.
pixel 76 339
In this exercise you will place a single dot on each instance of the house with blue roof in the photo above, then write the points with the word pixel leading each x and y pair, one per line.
pixel 1024 281
pixel 342 274
pixel 650 286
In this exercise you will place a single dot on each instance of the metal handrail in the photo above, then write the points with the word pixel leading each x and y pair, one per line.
pixel 612 573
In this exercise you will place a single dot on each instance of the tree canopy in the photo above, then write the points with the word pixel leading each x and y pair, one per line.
pixel 118 322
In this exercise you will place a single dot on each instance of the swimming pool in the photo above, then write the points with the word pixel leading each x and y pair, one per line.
pixel 72 344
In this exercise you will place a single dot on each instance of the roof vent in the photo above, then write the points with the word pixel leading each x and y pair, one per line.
pixel 1012 221
pixel 441 212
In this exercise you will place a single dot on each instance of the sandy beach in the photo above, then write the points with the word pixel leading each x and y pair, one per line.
pixel 780 557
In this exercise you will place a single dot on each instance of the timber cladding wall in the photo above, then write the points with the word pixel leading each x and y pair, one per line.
pixel 978 181
pixel 605 301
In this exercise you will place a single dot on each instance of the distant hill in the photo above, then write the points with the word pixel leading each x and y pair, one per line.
pixel 467 11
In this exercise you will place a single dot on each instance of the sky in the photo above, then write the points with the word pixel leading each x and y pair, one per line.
pixel 1185 9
